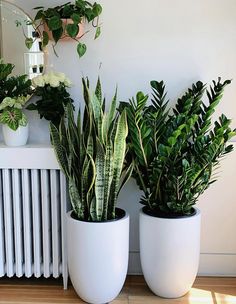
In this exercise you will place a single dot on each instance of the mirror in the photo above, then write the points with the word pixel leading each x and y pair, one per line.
pixel 13 28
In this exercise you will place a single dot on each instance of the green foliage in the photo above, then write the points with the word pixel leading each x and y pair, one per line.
pixel 51 88
pixel 78 12
pixel 5 70
pixel 14 86
pixel 174 153
pixel 51 103
pixel 91 153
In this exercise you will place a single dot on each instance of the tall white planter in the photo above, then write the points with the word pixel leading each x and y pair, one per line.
pixel 15 138
pixel 98 257
pixel 170 250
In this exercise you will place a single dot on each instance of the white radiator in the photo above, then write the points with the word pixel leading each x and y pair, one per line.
pixel 32 213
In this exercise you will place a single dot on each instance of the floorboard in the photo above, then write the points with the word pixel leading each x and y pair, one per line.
pixel 49 291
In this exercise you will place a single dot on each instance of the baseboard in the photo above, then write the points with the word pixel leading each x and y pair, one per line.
pixel 134 263
pixel 217 264
pixel 211 264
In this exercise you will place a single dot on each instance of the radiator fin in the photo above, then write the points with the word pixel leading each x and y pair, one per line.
pixel 8 222
pixel 18 225
pixel 32 227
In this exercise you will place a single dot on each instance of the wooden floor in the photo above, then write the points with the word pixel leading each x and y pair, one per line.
pixel 35 291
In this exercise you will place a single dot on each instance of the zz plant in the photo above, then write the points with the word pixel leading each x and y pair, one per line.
pixel 91 153
pixel 174 152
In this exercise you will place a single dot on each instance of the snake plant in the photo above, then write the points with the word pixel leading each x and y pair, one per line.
pixel 174 151
pixel 91 152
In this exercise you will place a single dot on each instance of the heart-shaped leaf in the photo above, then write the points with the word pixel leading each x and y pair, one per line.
pixel 54 23
pixel 57 34
pixel 72 30
pixel 67 11
pixel 81 49
pixel 76 18
pixel 97 9
pixel 29 42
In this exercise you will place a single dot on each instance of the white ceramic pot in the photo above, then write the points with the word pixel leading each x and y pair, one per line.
pixel 169 251
pixel 98 257
pixel 15 138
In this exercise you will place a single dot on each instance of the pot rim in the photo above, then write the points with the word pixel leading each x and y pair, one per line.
pixel 184 217
pixel 113 221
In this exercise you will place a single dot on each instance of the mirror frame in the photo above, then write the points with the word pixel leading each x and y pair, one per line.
pixel 26 14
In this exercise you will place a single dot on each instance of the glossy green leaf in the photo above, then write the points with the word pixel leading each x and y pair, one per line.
pixel 54 23
pixel 57 34
pixel 97 9
pixel 72 30
pixel 76 18
pixel 81 49
pixel 29 42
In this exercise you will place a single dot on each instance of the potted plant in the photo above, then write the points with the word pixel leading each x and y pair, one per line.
pixel 174 153
pixel 66 21
pixel 15 91
pixel 91 152
pixel 52 90
pixel 34 68
pixel 41 68
pixel 15 123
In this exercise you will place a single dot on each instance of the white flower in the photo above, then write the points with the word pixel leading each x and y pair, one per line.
pixel 54 79
pixel 46 78
pixel 38 81
pixel 61 76
pixel 54 82
pixel 67 82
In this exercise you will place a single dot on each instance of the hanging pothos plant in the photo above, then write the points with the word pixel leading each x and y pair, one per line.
pixel 63 21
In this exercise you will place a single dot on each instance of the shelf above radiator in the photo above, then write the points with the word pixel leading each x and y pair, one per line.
pixel 31 156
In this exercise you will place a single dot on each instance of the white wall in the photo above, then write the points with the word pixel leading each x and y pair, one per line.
pixel 180 42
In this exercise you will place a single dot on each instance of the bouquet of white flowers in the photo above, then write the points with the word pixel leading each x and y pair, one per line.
pixel 53 79
pixel 52 90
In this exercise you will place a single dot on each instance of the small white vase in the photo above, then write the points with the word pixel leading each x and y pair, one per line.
pixel 98 257
pixel 169 251
pixel 15 138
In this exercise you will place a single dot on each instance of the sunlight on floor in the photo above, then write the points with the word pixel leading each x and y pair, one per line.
pixel 198 296
pixel 223 298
